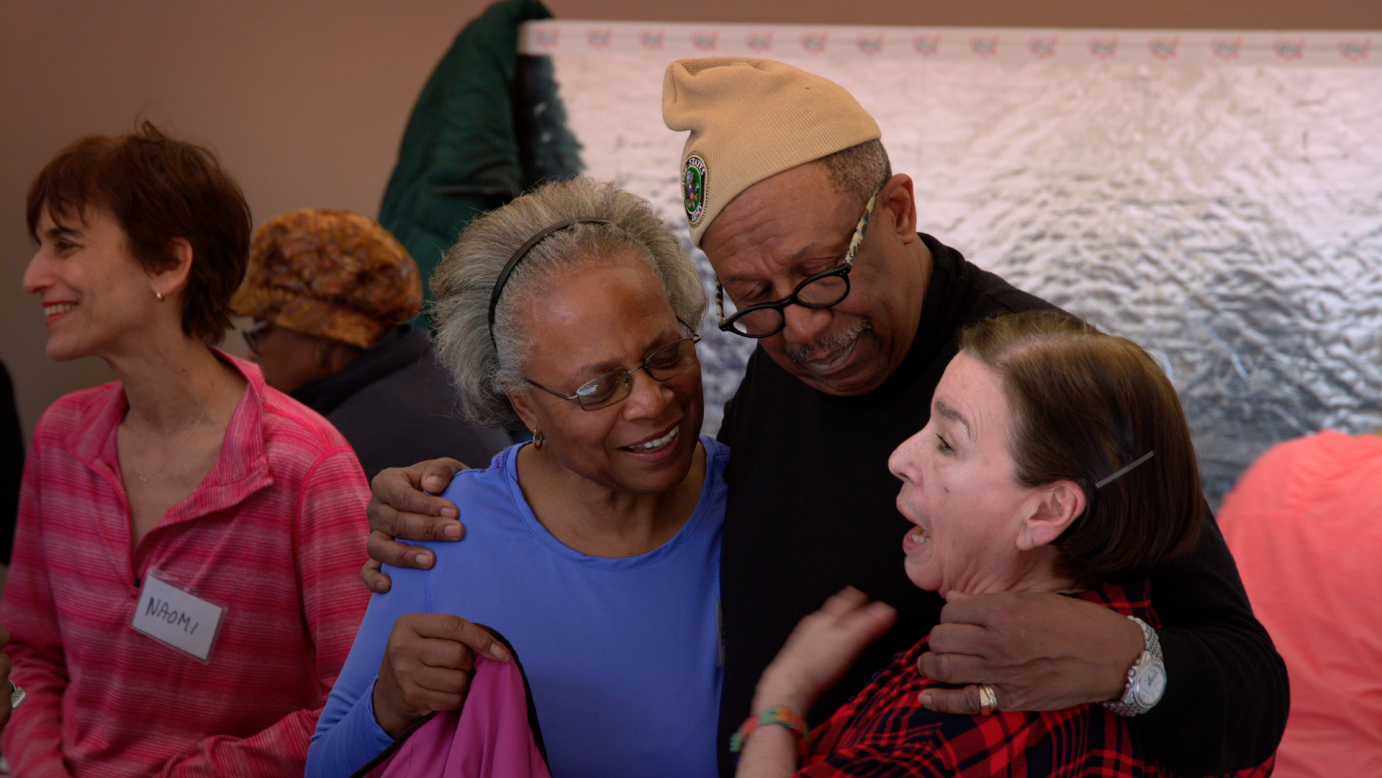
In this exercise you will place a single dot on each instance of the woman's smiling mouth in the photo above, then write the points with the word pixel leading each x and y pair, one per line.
pixel 656 444
pixel 55 309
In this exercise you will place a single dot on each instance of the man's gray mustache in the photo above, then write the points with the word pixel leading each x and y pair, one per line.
pixel 829 342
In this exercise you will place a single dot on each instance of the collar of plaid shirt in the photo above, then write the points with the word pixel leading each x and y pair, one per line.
pixel 885 732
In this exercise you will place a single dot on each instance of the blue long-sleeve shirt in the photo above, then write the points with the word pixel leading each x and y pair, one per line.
pixel 621 655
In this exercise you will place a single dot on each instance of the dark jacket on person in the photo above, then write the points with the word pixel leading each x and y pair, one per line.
pixel 11 463
pixel 396 406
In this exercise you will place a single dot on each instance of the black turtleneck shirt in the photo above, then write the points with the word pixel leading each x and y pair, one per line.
pixel 811 510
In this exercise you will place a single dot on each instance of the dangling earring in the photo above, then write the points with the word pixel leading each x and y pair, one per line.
pixel 159 295
pixel 538 439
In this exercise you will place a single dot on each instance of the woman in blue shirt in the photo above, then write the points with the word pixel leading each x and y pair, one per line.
pixel 595 548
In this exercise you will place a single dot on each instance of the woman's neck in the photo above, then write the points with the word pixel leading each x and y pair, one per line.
pixel 597 520
pixel 1030 571
pixel 168 384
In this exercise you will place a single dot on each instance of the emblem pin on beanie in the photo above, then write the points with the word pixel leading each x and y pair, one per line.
pixel 751 119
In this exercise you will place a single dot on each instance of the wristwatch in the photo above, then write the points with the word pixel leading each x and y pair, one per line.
pixel 16 696
pixel 1146 677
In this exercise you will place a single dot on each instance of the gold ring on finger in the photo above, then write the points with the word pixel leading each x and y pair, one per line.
pixel 988 699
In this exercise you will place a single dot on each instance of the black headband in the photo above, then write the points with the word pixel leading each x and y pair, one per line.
pixel 523 252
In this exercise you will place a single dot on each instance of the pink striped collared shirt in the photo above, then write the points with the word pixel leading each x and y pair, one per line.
pixel 275 534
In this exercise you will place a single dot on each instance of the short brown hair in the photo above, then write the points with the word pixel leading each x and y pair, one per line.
pixel 158 188
pixel 1085 405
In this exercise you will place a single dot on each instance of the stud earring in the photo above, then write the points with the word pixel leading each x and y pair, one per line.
pixel 538 439
pixel 159 295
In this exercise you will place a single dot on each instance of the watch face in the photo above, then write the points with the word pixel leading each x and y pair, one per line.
pixel 1150 686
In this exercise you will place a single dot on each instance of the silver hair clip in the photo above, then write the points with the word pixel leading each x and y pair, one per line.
pixel 1120 473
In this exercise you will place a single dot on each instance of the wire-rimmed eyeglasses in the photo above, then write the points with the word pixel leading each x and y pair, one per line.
pixel 821 290
pixel 666 362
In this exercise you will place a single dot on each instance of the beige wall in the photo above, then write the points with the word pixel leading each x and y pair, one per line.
pixel 306 100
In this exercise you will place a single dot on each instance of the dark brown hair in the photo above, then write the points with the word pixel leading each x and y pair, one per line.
pixel 158 188
pixel 1085 405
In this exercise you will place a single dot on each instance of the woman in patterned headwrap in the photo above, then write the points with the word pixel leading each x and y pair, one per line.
pixel 329 292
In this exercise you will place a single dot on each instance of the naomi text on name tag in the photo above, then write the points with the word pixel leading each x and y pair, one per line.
pixel 180 619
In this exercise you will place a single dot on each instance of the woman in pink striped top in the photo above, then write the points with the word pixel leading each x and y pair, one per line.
pixel 183 590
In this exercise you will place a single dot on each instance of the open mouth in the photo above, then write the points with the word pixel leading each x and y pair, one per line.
pixel 656 444
pixel 915 539
pixel 57 308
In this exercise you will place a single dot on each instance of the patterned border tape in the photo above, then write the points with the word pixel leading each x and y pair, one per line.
pixel 1010 45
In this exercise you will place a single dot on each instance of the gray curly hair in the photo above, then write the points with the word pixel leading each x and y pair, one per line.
pixel 485 369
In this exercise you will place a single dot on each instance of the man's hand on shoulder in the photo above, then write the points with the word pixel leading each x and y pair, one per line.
pixel 403 505
pixel 1039 652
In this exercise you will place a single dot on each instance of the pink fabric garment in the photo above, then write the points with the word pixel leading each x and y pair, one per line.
pixel 490 737
pixel 275 533
pixel 1305 526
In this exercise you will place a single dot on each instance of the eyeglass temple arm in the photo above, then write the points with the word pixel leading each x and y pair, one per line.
pixel 856 240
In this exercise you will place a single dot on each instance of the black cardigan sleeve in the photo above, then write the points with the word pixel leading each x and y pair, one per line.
pixel 1226 694
pixel 11 464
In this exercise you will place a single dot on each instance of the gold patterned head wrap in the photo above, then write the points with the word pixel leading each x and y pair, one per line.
pixel 331 274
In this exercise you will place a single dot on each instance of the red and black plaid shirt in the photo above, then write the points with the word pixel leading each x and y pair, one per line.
pixel 884 732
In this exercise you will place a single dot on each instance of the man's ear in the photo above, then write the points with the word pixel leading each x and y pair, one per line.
pixel 174 279
pixel 898 198
pixel 1056 507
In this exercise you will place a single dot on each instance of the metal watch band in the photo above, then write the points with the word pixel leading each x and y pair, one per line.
pixel 1150 657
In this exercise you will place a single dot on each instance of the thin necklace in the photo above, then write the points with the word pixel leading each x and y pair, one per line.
pixel 185 438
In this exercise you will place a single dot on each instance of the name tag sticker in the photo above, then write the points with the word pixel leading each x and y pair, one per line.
pixel 177 618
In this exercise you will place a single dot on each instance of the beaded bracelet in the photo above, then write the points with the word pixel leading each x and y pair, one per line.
pixel 779 715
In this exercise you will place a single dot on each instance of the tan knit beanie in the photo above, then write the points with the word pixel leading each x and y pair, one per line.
pixel 751 119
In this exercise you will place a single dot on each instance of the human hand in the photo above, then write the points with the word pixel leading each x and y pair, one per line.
pixel 400 506
pixel 821 649
pixel 1038 651
pixel 427 667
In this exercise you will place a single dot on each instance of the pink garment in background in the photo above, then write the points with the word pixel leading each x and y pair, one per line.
pixel 1305 526
pixel 489 738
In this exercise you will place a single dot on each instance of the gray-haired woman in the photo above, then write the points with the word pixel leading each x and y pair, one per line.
pixel 594 549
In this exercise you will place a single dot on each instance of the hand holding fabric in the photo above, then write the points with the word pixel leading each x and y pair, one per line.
pixel 427 667
pixel 1039 652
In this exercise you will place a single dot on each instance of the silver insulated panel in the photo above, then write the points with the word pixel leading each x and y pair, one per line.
pixel 1228 217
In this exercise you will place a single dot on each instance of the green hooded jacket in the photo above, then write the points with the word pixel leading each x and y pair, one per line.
pixel 487 126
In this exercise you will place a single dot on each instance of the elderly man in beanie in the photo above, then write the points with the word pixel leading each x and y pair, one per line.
pixel 328 291
pixel 790 193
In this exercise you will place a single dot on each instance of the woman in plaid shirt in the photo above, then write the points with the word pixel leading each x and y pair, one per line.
pixel 1057 459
